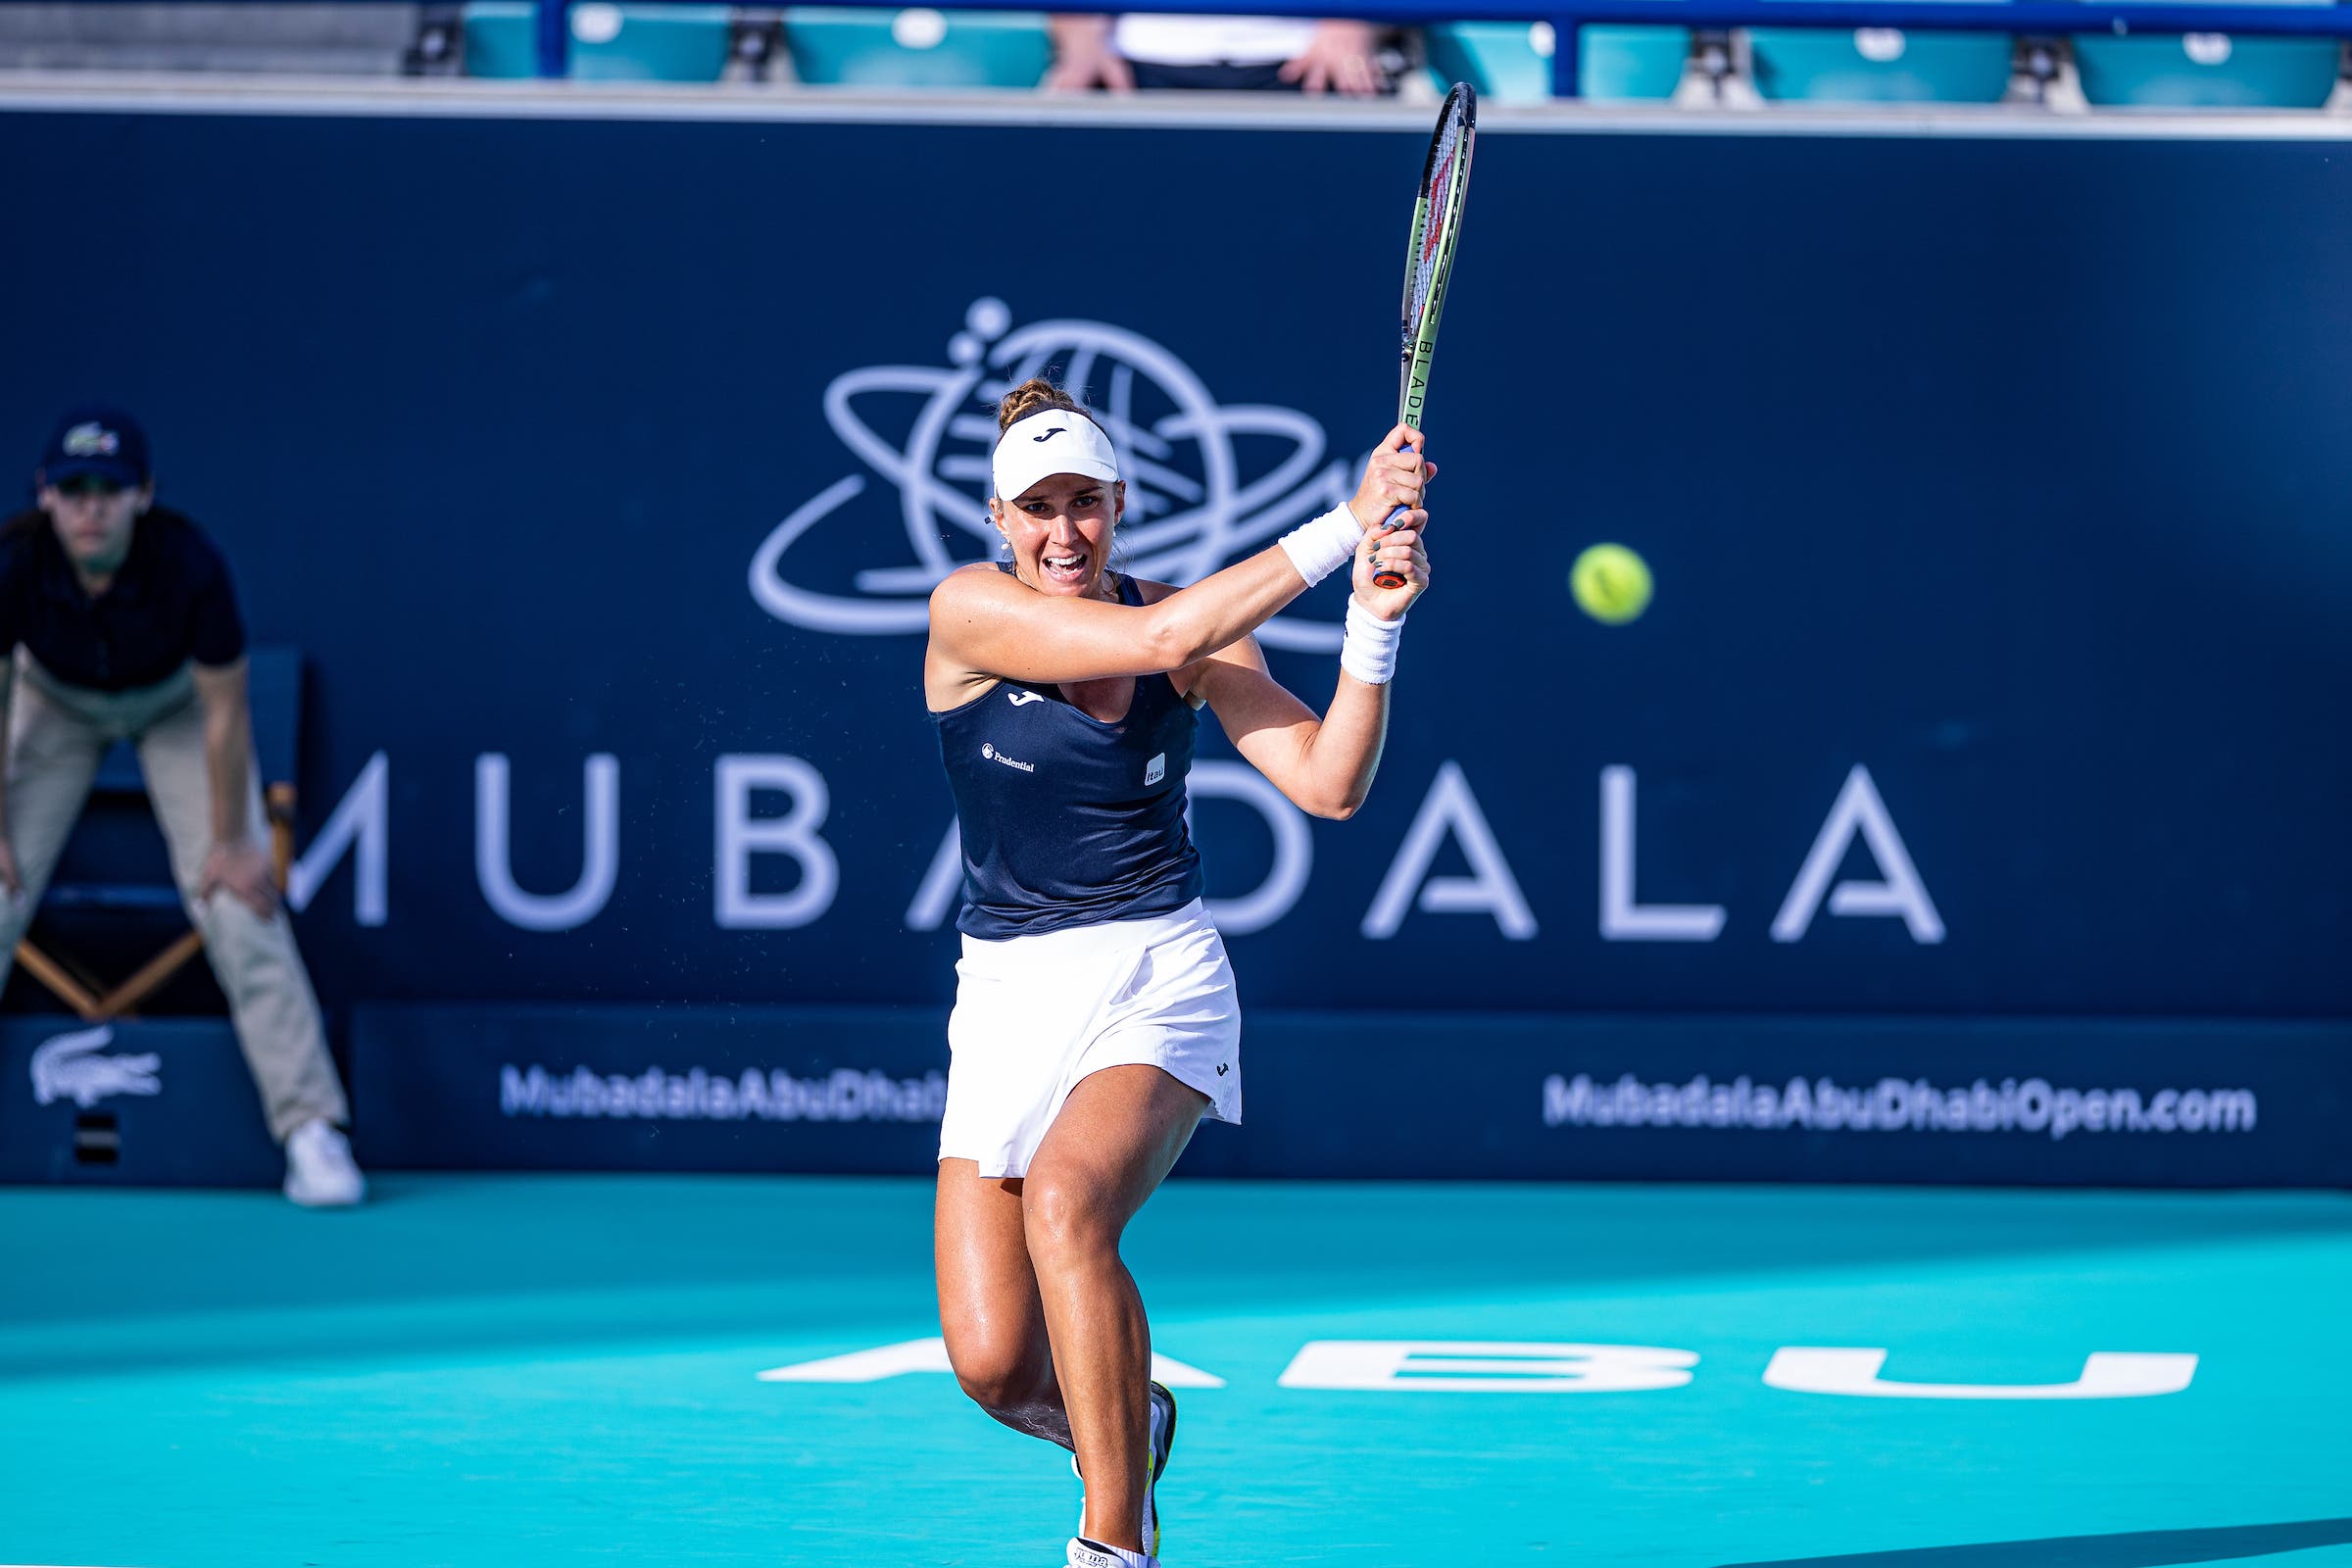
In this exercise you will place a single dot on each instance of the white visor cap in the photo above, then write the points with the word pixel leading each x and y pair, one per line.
pixel 1050 442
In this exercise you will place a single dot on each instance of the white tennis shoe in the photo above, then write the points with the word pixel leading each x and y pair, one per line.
pixel 320 1170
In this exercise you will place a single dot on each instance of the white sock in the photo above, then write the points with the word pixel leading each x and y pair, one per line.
pixel 1085 1553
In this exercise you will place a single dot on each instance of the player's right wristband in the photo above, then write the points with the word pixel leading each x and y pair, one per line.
pixel 1322 546
pixel 1369 650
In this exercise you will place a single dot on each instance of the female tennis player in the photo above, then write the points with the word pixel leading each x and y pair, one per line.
pixel 1094 1020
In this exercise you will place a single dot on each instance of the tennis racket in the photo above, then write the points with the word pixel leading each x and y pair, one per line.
pixel 1429 259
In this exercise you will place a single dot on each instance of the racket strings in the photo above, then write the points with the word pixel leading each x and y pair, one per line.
pixel 1439 210
pixel 1437 219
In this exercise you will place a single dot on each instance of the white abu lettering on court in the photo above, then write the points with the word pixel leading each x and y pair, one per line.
pixel 1196 500
pixel 931 1356
pixel 1420 1367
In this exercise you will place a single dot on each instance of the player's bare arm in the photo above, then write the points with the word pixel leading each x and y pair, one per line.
pixel 1324 765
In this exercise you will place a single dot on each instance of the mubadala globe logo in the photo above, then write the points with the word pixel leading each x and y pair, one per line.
pixel 1208 482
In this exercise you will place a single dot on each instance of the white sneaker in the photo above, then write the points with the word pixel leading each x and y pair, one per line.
pixel 1164 1439
pixel 320 1172
pixel 1085 1553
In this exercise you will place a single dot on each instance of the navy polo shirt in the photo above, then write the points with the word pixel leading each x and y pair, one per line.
pixel 172 601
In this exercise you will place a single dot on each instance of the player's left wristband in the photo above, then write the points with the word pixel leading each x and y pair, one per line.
pixel 1322 546
pixel 1368 650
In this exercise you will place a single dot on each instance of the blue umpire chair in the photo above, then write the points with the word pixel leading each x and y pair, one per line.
pixel 274 680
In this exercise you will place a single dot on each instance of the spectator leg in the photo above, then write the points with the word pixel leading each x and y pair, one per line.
pixel 269 995
pixel 53 755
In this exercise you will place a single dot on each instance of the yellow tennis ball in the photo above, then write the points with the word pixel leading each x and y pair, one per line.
pixel 1612 584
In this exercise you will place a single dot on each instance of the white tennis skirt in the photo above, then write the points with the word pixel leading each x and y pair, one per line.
pixel 1035 1015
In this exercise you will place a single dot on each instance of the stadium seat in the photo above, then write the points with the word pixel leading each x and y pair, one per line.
pixel 1507 62
pixel 1511 62
pixel 1628 64
pixel 609 42
pixel 1879 65
pixel 850 46
pixel 2207 69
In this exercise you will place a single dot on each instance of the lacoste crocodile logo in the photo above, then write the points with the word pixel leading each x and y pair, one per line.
pixel 69 1067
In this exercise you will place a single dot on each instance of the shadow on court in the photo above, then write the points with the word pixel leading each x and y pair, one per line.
pixel 2141 1548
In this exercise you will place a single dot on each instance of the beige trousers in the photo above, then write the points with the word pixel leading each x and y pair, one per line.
pixel 57 735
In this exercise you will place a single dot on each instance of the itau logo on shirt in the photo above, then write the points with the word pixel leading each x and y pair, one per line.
pixel 1155 770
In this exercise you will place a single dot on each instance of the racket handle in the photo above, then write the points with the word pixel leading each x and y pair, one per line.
pixel 1389 576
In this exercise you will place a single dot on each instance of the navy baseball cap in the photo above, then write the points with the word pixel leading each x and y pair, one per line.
pixel 96 440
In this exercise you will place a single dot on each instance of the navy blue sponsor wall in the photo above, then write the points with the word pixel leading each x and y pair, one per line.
pixel 1994 693
pixel 1350 1094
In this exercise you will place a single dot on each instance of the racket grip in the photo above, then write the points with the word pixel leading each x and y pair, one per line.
pixel 1385 576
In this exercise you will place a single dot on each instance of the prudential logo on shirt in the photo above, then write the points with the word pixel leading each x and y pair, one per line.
pixel 989 751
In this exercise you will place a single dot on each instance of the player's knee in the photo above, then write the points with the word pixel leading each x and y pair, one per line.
pixel 997 1374
pixel 1066 1220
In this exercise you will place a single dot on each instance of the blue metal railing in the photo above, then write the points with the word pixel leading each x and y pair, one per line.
pixel 553 35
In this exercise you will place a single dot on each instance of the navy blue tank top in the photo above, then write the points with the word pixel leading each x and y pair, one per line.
pixel 1068 820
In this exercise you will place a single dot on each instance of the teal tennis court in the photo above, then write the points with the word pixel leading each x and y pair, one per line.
pixel 544 1370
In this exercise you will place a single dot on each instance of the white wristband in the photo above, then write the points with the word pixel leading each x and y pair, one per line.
pixel 1369 650
pixel 1322 546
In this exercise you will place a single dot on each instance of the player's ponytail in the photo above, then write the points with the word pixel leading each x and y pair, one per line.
pixel 1031 397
